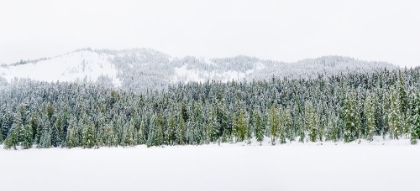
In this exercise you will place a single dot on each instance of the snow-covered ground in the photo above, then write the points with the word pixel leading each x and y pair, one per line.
pixel 391 166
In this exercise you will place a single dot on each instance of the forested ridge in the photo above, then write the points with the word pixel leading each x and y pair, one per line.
pixel 346 108
pixel 137 70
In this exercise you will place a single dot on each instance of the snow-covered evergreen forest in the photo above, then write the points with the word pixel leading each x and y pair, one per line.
pixel 335 108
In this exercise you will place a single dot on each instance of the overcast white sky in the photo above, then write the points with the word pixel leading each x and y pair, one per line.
pixel 280 30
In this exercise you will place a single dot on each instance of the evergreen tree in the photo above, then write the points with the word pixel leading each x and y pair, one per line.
pixel 170 132
pixel 240 125
pixel 350 118
pixel 181 131
pixel 415 119
pixel 27 136
pixel 285 125
pixel 333 130
pixel 259 127
pixel 215 127
pixel 402 94
pixel 12 140
pixel 131 135
pixel 156 135
pixel 141 133
pixel 88 137
pixel 311 122
pixel 273 124
pixel 369 111
pixel 394 117
pixel 72 139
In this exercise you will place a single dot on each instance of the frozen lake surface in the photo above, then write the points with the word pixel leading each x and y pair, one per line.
pixel 211 167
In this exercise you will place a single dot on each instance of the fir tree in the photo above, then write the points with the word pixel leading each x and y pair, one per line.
pixel 181 131
pixel 415 119
pixel 170 132
pixel 394 117
pixel 259 127
pixel 350 119
pixel 27 136
pixel 88 137
pixel 273 124
pixel 12 140
pixel 369 111
pixel 72 139
pixel 402 94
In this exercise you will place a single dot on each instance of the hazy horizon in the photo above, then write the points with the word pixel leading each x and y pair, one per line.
pixel 276 30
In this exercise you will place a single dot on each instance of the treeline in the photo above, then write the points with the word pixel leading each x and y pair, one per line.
pixel 328 108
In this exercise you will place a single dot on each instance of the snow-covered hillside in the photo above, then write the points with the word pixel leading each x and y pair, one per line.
pixel 141 69
pixel 84 65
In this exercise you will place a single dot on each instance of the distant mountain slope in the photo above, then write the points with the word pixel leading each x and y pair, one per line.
pixel 141 69
pixel 81 65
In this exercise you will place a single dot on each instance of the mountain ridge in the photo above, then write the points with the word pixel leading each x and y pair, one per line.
pixel 140 69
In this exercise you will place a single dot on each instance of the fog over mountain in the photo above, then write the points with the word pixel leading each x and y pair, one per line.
pixel 141 69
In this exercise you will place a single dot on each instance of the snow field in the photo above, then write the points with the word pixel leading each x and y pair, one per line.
pixel 295 166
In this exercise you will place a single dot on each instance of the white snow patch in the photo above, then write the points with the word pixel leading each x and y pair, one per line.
pixel 185 75
pixel 259 66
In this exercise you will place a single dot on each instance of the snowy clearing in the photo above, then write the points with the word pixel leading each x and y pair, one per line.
pixel 212 167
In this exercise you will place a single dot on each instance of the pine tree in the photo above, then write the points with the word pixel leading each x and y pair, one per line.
pixel 12 140
pixel 259 127
pixel 402 94
pixel 50 111
pixel 394 117
pixel 350 118
pixel 159 125
pixel 285 125
pixel 88 137
pixel 273 123
pixel 333 130
pixel 72 139
pixel 369 111
pixel 131 134
pixel 181 131
pixel 215 127
pixel 240 125
pixel 141 133
pixel 27 136
pixel 14 137
pixel 415 119
pixel 170 132
pixel 311 122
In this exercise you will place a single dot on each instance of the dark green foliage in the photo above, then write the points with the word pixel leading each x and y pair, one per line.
pixel 27 136
pixel 273 124
pixel 369 112
pixel 402 94
pixel 350 118
pixel 181 131
pixel 88 137
pixel 394 117
pixel 72 138
pixel 259 127
pixel 240 126
pixel 50 111
pixel 171 132
pixel 415 117
pixel 311 123
pixel 12 140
